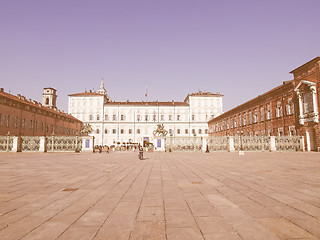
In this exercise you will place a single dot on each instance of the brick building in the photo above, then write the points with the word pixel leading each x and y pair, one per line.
pixel 22 117
pixel 289 109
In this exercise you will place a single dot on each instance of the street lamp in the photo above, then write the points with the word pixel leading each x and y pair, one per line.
pixel 240 132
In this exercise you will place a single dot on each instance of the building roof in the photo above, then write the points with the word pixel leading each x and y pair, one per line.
pixel 21 99
pixel 50 88
pixel 244 105
pixel 86 94
pixel 155 103
pixel 302 66
pixel 203 94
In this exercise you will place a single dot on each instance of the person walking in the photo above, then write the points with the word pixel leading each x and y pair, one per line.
pixel 141 153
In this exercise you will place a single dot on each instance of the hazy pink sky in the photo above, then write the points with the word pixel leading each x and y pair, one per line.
pixel 238 48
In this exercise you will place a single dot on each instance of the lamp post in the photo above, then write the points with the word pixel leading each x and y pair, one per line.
pixel 240 132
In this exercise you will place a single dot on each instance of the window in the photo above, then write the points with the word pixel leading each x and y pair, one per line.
pixel 122 131
pixel 146 118
pixel 235 122
pixel 262 114
pixel 8 121
pixel 138 118
pixel 114 131
pixel 106 117
pixel 206 131
pixel 290 107
pixel 193 117
pixel 307 99
pixel 123 117
pixel 47 101
pixel 255 116
pixel 97 131
pixel 250 117
pixel 231 123
pixel 279 109
pixel 47 128
pixel 193 131
pixel 244 119
pixel 178 131
pixel 30 124
pixel 200 131
pixel 170 117
pixel 269 113
pixel 292 130
pixel 51 127
pixel 114 117
pixel 35 124
pixel 154 117
pixel 162 117
pixel 138 131
pixel 106 131
pixel 130 131
pixel 98 117
pixel 186 131
pixel 178 117
pixel 16 122
pixel 170 131
pixel 90 117
pixel 280 131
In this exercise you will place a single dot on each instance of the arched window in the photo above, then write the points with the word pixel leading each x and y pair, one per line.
pixel 47 101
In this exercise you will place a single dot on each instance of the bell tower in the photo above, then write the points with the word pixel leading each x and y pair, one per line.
pixel 49 97
pixel 102 90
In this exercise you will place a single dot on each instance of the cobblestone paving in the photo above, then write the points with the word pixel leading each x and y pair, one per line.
pixel 166 196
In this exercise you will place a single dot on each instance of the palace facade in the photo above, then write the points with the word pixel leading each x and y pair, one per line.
pixel 22 117
pixel 289 109
pixel 114 122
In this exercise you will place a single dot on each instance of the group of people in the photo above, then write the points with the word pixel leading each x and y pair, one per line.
pixel 103 148
pixel 106 149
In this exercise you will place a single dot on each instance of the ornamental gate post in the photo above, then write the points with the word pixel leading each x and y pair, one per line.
pixel 8 142
pixel 76 143
pixel 52 143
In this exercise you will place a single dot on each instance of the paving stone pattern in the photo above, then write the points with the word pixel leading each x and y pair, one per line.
pixel 166 196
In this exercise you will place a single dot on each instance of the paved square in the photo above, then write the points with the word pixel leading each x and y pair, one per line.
pixel 166 196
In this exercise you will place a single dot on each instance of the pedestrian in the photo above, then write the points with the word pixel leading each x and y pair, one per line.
pixel 141 153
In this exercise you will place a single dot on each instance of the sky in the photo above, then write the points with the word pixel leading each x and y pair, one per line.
pixel 239 48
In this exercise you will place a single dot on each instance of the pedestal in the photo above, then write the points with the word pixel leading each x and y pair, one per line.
pixel 159 144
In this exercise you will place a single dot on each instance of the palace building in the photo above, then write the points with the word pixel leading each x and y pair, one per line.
pixel 289 109
pixel 134 122
pixel 22 117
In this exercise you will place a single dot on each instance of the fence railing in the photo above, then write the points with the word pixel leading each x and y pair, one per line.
pixel 252 143
pixel 217 143
pixel 235 143
pixel 183 143
pixel 6 143
pixel 46 143
pixel 30 144
pixel 288 143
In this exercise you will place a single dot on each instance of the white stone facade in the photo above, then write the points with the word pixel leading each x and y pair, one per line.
pixel 135 122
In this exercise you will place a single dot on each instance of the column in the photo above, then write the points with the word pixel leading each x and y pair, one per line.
pixel 300 108
pixel 315 103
